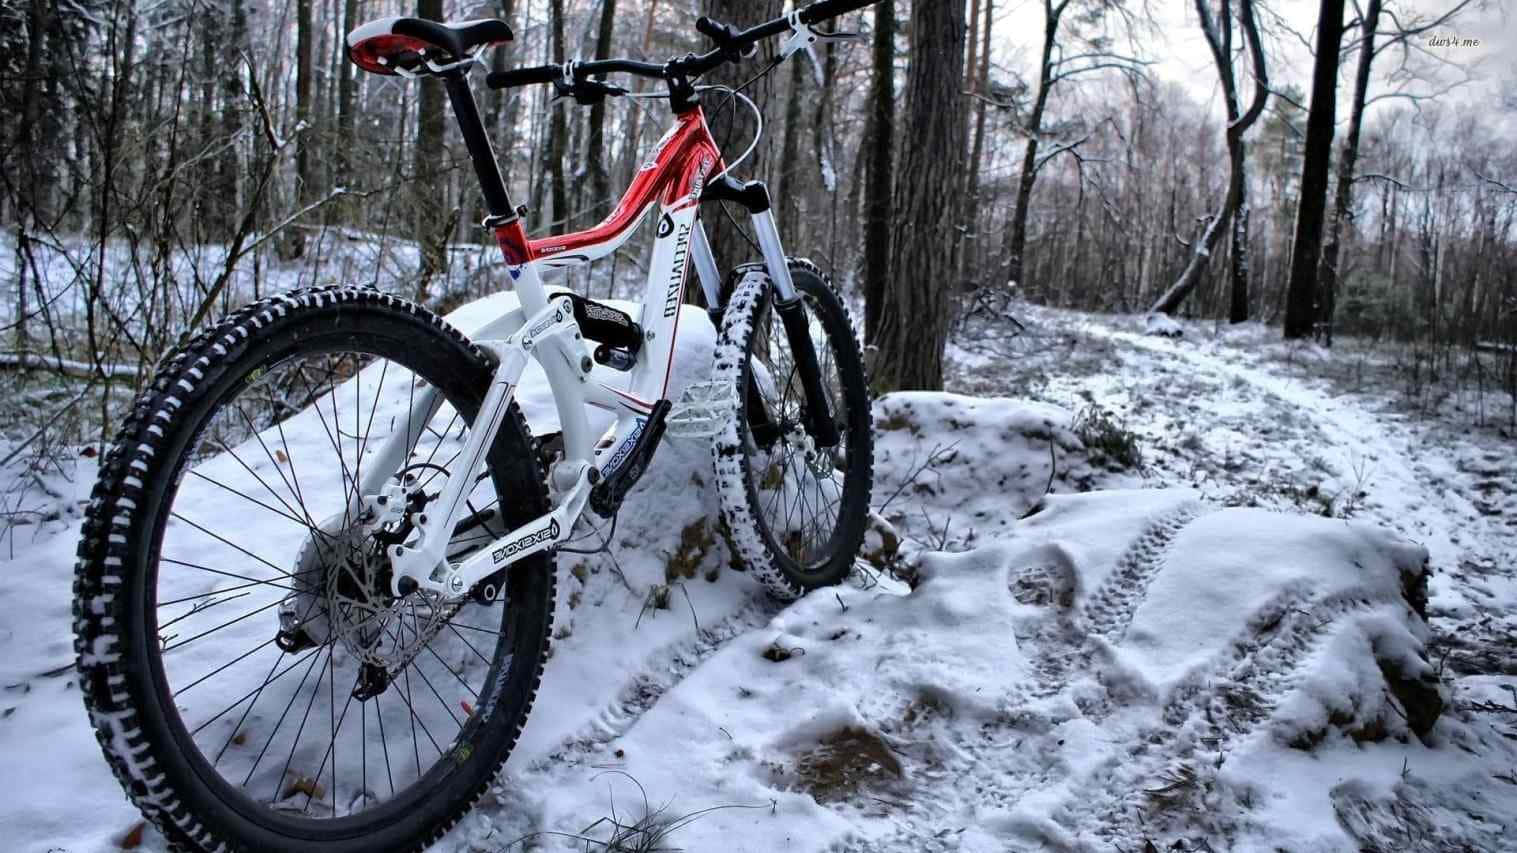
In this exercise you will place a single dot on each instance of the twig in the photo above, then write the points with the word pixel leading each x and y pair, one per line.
pixel 932 458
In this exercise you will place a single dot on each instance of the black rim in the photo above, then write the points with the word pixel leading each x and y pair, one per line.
pixel 249 716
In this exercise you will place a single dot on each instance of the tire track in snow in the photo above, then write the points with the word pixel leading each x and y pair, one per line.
pixel 661 672
pixel 1206 716
pixel 988 770
pixel 1418 480
pixel 1110 610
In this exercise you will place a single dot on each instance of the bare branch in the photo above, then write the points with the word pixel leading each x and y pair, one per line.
pixel 64 366
pixel 1057 150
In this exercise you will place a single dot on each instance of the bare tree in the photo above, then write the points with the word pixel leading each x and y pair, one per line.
pixel 599 182
pixel 1348 157
pixel 1302 291
pixel 558 123
pixel 432 224
pixel 880 157
pixel 1054 67
pixel 733 125
pixel 924 252
pixel 1219 41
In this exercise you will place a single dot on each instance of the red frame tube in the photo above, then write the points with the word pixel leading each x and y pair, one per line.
pixel 674 176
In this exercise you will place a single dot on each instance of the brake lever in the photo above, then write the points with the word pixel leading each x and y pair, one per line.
pixel 805 36
pixel 586 93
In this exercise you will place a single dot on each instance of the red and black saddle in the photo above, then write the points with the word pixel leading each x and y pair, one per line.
pixel 414 45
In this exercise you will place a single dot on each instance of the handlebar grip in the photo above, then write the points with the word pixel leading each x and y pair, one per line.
pixel 717 31
pixel 524 76
pixel 825 9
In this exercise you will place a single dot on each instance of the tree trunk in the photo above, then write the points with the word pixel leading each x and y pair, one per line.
pixel 787 195
pixel 880 157
pixel 1348 158
pixel 558 125
pixel 600 201
pixel 1016 236
pixel 431 229
pixel 1238 309
pixel 822 143
pixel 32 188
pixel 980 86
pixel 347 99
pixel 303 82
pixel 924 252
pixel 734 127
pixel 1219 40
pixel 1316 159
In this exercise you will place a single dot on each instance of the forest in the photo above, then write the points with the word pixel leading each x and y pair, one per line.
pixel 164 158
pixel 1149 483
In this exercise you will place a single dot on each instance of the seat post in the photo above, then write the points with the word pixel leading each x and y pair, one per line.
pixel 497 201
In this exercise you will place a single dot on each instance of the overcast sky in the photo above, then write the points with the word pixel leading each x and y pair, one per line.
pixel 1182 55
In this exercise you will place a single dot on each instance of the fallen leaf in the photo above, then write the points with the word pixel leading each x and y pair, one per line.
pixel 133 838
pixel 280 457
pixel 302 785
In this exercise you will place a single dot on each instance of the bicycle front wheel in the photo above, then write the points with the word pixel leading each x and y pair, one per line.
pixel 796 512
pixel 254 683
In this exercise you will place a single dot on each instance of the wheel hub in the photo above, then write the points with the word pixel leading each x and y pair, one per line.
pixel 342 597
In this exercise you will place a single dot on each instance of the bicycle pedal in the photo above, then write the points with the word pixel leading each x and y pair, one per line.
pixel 607 496
pixel 702 410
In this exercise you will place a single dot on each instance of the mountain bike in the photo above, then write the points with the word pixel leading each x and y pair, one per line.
pixel 316 579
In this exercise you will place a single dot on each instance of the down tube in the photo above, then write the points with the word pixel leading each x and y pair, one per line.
pixel 662 300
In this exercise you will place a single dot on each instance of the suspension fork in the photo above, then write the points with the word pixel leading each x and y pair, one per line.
pixel 790 305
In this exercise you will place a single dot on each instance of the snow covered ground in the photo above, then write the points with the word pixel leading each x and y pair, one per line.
pixel 1048 647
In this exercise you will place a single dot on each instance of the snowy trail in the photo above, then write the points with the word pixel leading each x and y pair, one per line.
pixel 1413 481
pixel 1076 672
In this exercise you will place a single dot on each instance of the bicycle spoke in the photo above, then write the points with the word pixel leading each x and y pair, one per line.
pixel 295 694
pixel 218 670
pixel 332 440
pixel 180 645
pixel 253 692
pixel 384 742
pixel 287 513
pixel 477 628
pixel 279 780
pixel 223 540
pixel 336 726
pixel 466 642
pixel 232 735
pixel 254 583
pixel 454 673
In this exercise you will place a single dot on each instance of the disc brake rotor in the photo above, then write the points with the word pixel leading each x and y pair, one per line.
pixel 343 596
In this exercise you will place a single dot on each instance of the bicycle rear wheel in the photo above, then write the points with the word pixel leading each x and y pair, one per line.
pixel 252 681
pixel 796 513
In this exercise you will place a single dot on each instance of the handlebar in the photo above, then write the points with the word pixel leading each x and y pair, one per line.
pixel 824 9
pixel 731 45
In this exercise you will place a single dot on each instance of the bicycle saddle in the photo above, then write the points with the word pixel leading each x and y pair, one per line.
pixel 405 45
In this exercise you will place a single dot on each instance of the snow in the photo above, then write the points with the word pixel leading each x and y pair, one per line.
pixel 1156 323
pixel 1071 658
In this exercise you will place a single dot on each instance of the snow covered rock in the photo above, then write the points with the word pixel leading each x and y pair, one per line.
pixel 951 470
pixel 1162 325
pixel 1116 666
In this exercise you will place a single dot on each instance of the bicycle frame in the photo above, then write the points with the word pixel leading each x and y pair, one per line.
pixel 671 185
